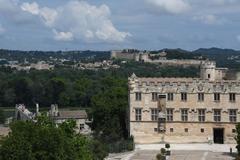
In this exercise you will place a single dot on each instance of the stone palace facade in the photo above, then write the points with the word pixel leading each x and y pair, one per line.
pixel 184 110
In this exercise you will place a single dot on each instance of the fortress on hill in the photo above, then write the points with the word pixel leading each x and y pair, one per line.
pixel 159 58
pixel 185 110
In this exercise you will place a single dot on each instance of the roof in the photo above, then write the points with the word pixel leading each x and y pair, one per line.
pixel 156 80
pixel 167 79
pixel 80 114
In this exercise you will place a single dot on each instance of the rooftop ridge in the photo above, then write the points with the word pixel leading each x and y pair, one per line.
pixel 179 80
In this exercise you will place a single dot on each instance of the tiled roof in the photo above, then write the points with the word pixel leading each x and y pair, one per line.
pixel 81 114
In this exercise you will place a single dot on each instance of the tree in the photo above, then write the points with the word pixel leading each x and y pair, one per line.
pixel 2 116
pixel 43 140
pixel 22 91
pixel 109 109
pixel 237 138
pixel 54 88
pixel 9 97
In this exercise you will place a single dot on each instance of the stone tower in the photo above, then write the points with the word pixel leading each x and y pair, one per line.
pixel 207 70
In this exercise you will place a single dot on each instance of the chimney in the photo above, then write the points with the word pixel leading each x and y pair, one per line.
pixel 52 112
pixel 37 108
pixel 56 110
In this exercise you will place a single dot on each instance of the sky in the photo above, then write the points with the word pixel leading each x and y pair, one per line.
pixel 119 24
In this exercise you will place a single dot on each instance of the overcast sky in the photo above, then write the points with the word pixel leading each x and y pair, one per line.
pixel 117 24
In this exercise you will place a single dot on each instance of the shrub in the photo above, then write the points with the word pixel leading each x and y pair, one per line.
pixel 160 157
pixel 167 145
pixel 163 151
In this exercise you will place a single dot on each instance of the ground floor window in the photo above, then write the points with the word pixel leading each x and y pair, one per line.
pixel 169 114
pixel 138 114
pixel 201 115
pixel 81 126
pixel 184 115
pixel 154 114
pixel 217 115
pixel 232 115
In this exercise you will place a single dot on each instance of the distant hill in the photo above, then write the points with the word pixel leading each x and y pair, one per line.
pixel 33 56
pixel 207 51
pixel 224 57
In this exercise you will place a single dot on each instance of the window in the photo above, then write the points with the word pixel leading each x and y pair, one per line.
pixel 200 96
pixel 169 114
pixel 233 115
pixel 216 97
pixel 170 96
pixel 232 97
pixel 155 129
pixel 209 76
pixel 138 96
pixel 184 114
pixel 138 112
pixel 81 126
pixel 171 129
pixel 154 96
pixel 233 130
pixel 201 115
pixel 202 130
pixel 184 96
pixel 186 129
pixel 154 114
pixel 217 115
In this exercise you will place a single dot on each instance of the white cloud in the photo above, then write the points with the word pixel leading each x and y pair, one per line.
pixel 209 19
pixel 78 20
pixel 170 6
pixel 30 7
pixel 48 15
pixel 63 36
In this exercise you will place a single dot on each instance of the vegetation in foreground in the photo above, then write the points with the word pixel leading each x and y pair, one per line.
pixel 43 140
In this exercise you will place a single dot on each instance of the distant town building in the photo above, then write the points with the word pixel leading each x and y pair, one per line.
pixel 185 110
pixel 80 116
pixel 22 113
pixel 41 65
pixel 58 116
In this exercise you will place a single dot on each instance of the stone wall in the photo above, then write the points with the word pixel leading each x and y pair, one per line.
pixel 145 132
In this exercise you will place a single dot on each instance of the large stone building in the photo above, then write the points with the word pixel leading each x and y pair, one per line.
pixel 185 110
